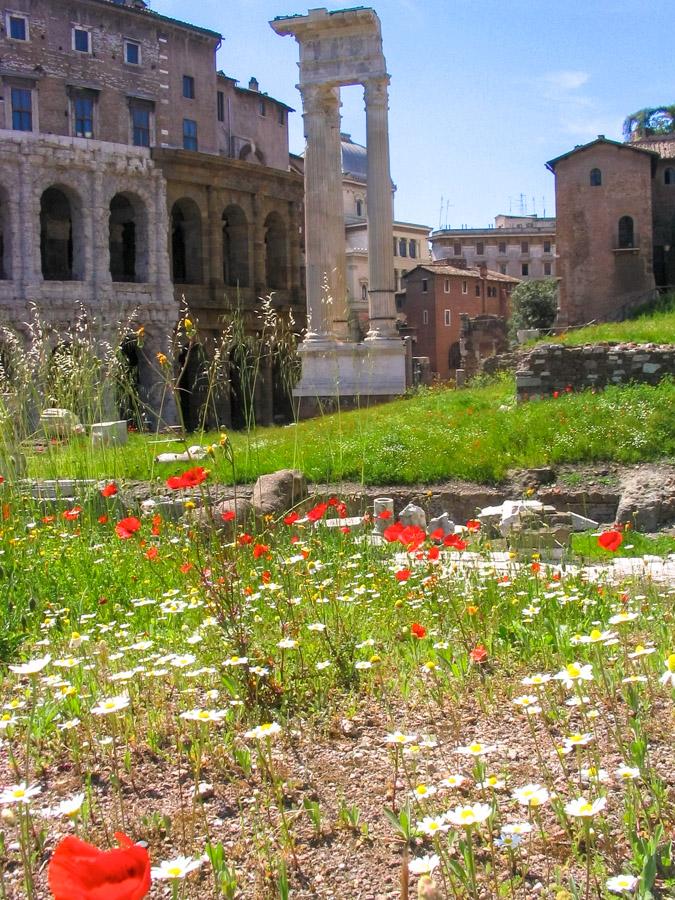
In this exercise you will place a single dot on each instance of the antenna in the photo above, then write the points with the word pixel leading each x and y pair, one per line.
pixel 534 206
pixel 543 203
pixel 523 205
pixel 440 215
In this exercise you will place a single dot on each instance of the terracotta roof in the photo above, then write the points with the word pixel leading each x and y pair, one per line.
pixel 465 273
pixel 143 10
pixel 601 139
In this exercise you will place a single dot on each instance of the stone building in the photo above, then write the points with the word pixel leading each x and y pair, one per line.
pixel 134 175
pixel 437 295
pixel 605 228
pixel 521 246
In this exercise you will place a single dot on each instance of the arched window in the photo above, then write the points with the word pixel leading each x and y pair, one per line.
pixel 412 249
pixel 186 242
pixel 626 236
pixel 669 176
pixel 235 247
pixel 359 207
pixel 596 177
pixel 57 245
pixel 402 247
pixel 276 253
pixel 123 234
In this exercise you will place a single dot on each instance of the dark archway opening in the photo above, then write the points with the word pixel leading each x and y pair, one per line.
pixel 192 387
pixel 275 252
pixel 235 247
pixel 186 242
pixel 56 236
pixel 122 239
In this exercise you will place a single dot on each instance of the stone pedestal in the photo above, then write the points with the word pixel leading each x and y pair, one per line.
pixel 335 369
pixel 109 434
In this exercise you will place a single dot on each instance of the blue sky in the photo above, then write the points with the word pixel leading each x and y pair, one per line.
pixel 482 93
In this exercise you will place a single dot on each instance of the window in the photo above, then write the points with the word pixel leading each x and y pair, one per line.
pixel 446 286
pixel 524 247
pixel 596 178
pixel 480 248
pixel 465 287
pixel 447 317
pixel 364 288
pixel 17 27
pixel 669 176
pixel 262 107
pixel 524 269
pixel 220 106
pixel 412 249
pixel 491 291
pixel 425 285
pixel 22 109
pixel 425 317
pixel 81 40
pixel 547 268
pixel 83 115
pixel 188 87
pixel 189 134
pixel 502 246
pixel 140 124
pixel 457 249
pixel 132 53
pixel 281 115
pixel 359 212
pixel 395 247
pixel 402 247
pixel 477 289
pixel 547 246
pixel 502 269
pixel 626 235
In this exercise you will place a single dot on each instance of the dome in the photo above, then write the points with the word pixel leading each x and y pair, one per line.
pixel 354 158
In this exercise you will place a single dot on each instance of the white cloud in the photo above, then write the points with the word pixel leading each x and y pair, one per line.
pixel 566 79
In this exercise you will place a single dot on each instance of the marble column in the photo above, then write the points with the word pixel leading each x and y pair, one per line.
pixel 324 222
pixel 381 281
pixel 215 206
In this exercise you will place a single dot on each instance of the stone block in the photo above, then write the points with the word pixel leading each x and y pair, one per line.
pixel 651 368
pixel 59 423
pixel 108 434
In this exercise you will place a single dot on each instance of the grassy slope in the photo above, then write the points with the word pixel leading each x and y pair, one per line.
pixel 658 328
pixel 477 434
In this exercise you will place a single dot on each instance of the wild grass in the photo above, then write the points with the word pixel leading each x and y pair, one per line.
pixel 653 328
pixel 477 434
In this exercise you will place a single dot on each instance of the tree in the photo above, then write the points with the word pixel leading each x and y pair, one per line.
pixel 534 304
pixel 649 122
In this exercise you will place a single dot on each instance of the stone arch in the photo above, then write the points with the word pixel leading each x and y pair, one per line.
pixel 235 247
pixel 276 252
pixel 626 232
pixel 61 234
pixel 127 238
pixel 186 242
pixel 5 236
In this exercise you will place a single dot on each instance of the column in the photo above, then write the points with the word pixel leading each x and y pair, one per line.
pixel 381 286
pixel 293 253
pixel 258 231
pixel 324 222
pixel 215 206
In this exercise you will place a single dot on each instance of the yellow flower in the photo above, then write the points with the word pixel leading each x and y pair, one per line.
pixel 190 504
pixel 162 359
pixel 188 324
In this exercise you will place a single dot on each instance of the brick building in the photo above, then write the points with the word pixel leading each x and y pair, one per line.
pixel 605 240
pixel 436 295
pixel 521 246
pixel 133 174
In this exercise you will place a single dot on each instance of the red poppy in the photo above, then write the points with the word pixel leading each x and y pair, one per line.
pixel 479 654
pixel 103 520
pixel 333 501
pixel 345 529
pixel 535 567
pixel 291 518
pixel 385 514
pixel 127 527
pixel 473 525
pixel 156 524
pixel 433 553
pixel 610 540
pixel 411 536
pixel 245 539
pixel 191 478
pixel 317 512
pixel 418 630
pixel 403 574
pixel 80 871
pixel 185 568
pixel 228 515
pixel 341 510
pixel 71 514
pixel 109 490
pixel 454 540
pixel 266 577
pixel 569 389
pixel 152 553
pixel 260 550
pixel 556 394
pixel 437 534
pixel 47 519
pixel 2 478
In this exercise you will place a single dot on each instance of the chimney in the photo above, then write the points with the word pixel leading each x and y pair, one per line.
pixel 483 269
pixel 253 84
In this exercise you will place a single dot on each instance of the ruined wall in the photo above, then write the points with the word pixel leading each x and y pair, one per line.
pixel 551 368
pixel 480 338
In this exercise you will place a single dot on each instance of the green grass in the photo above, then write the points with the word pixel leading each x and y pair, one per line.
pixel 634 544
pixel 477 434
pixel 656 328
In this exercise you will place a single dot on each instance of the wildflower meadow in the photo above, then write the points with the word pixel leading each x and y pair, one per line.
pixel 193 708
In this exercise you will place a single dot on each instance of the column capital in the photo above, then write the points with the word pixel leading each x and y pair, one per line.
pixel 320 98
pixel 376 91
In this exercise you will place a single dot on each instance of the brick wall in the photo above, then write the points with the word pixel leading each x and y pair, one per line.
pixel 480 338
pixel 551 367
